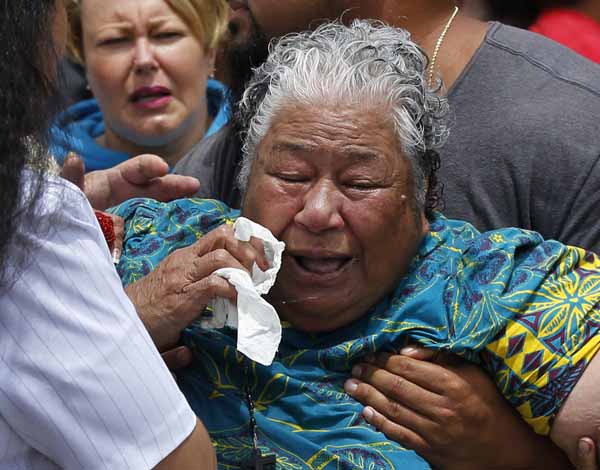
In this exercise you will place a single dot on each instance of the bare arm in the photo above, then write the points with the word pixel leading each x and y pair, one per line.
pixel 580 414
pixel 195 453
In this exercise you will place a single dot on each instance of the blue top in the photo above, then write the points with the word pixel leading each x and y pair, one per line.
pixel 85 123
pixel 525 309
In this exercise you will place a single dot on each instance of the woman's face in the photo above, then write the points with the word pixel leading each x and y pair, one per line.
pixel 146 69
pixel 334 186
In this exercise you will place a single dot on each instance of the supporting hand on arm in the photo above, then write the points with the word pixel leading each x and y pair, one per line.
pixel 177 291
pixel 450 413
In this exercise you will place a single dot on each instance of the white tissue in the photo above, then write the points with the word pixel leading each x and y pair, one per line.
pixel 257 322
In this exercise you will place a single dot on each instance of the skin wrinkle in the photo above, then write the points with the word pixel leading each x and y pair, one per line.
pixel 141 57
pixel 294 74
pixel 307 198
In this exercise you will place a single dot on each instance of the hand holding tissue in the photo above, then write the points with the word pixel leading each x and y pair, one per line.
pixel 257 322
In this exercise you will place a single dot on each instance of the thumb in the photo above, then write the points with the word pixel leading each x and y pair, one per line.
pixel 73 170
pixel 143 168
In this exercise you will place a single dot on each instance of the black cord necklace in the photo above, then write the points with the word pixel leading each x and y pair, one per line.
pixel 257 461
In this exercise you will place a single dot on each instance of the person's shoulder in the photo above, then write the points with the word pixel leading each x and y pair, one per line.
pixel 545 58
pixel 57 194
pixel 205 153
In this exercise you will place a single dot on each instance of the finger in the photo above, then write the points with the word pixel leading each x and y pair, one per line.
pixel 169 187
pixel 199 268
pixel 197 295
pixel 245 252
pixel 396 432
pixel 586 458
pixel 117 247
pixel 259 246
pixel 416 351
pixel 178 358
pixel 369 395
pixel 209 288
pixel 426 375
pixel 73 170
pixel 142 169
pixel 399 390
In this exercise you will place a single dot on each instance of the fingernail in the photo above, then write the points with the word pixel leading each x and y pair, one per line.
pixel 116 256
pixel 357 371
pixel 407 350
pixel 584 447
pixel 368 413
pixel 350 386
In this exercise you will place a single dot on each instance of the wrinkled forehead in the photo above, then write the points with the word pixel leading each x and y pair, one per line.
pixel 352 134
pixel 96 13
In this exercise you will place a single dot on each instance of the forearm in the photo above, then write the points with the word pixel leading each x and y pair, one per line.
pixel 196 452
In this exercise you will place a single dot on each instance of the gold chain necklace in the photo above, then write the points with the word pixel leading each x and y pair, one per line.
pixel 438 44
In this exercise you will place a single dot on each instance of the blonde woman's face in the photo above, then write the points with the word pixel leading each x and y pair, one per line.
pixel 146 69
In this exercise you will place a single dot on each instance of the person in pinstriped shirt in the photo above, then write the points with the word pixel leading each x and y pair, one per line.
pixel 81 383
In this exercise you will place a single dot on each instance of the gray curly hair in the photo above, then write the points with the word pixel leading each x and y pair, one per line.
pixel 337 65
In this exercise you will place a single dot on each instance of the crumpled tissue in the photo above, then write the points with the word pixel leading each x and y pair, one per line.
pixel 257 322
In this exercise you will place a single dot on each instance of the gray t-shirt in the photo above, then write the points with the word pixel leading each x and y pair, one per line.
pixel 524 148
pixel 214 161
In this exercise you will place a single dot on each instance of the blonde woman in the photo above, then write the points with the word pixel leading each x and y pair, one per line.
pixel 148 65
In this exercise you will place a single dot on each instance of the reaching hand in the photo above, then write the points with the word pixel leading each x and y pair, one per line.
pixel 177 291
pixel 450 413
pixel 141 176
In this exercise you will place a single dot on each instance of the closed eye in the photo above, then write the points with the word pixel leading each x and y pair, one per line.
pixel 167 35
pixel 291 178
pixel 362 184
pixel 113 41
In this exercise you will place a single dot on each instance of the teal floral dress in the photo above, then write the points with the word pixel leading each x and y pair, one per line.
pixel 525 309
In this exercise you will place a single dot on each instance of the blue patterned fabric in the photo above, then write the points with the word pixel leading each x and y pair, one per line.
pixel 524 308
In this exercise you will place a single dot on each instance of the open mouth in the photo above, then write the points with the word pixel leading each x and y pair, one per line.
pixel 322 266
pixel 149 94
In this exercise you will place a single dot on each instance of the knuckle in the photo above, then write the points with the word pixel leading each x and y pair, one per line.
pixel 395 410
pixel 224 231
pixel 401 364
pixel 211 283
pixel 220 256
pixel 447 415
pixel 397 385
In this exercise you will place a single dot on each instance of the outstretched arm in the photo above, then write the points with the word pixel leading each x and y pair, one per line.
pixel 141 176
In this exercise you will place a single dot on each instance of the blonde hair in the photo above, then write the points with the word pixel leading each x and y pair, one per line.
pixel 207 19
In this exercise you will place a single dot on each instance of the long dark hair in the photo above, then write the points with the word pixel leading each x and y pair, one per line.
pixel 29 81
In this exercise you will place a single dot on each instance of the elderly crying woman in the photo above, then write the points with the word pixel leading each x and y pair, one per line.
pixel 341 132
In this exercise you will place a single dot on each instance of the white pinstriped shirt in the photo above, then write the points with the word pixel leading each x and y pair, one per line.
pixel 81 383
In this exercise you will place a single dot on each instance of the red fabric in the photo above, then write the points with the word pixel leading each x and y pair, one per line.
pixel 107 226
pixel 572 29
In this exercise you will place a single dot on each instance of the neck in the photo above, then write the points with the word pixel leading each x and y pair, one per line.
pixel 426 20
pixel 589 7
pixel 171 152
